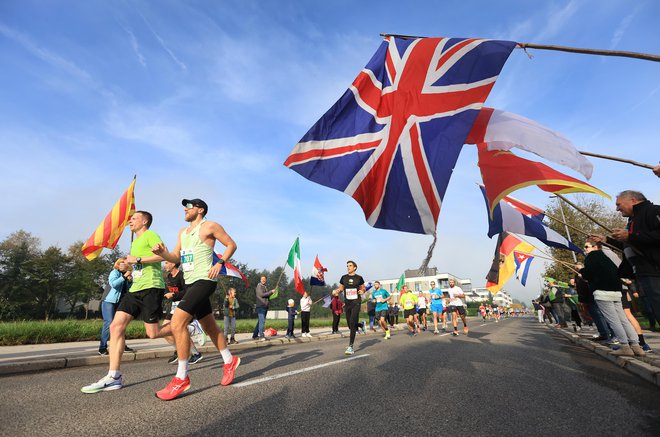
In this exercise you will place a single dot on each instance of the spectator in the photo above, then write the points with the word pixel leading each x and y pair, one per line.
pixel 262 301
pixel 601 273
pixel 337 307
pixel 230 307
pixel 305 314
pixel 557 301
pixel 291 317
pixel 118 283
pixel 586 298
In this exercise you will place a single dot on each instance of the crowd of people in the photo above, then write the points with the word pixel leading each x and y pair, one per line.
pixel 605 290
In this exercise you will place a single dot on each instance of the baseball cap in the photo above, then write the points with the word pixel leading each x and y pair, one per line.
pixel 196 202
pixel 291 302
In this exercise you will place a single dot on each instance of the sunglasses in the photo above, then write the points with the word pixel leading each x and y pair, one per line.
pixel 587 246
pixel 189 205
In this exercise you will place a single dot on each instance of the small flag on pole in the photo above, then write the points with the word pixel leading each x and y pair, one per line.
pixel 110 230
pixel 523 261
pixel 294 262
pixel 326 301
pixel 401 283
pixel 318 273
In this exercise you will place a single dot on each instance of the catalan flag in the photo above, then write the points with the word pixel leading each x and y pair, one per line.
pixel 503 172
pixel 111 228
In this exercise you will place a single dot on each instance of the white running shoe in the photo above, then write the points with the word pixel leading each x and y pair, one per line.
pixel 106 383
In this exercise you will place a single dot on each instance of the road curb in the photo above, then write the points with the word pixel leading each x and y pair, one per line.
pixel 644 367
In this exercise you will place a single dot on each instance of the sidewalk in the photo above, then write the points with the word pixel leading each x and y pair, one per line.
pixel 647 368
pixel 38 357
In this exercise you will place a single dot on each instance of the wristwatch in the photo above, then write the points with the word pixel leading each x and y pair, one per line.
pixel 139 260
pixel 221 261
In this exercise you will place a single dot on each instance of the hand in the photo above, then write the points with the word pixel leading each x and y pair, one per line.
pixel 131 259
pixel 597 237
pixel 620 234
pixel 636 295
pixel 214 271
pixel 656 170
pixel 158 249
pixel 168 295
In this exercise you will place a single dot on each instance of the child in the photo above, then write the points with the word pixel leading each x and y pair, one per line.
pixel 337 307
pixel 291 310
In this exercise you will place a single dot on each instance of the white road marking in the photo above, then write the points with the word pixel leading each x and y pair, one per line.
pixel 295 372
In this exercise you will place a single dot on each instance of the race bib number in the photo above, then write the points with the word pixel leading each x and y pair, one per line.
pixel 351 293
pixel 379 299
pixel 410 303
pixel 174 305
pixel 137 271
pixel 187 260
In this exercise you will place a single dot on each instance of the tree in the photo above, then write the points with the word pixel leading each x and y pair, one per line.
pixel 594 206
pixel 17 253
pixel 48 272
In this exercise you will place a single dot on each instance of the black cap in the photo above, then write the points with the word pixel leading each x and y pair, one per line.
pixel 196 202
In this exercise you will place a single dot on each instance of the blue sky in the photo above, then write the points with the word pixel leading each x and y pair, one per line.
pixel 207 98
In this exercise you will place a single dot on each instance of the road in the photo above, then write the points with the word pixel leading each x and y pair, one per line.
pixel 513 377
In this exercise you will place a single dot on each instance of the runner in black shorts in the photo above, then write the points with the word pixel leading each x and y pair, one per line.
pixel 194 250
pixel 353 287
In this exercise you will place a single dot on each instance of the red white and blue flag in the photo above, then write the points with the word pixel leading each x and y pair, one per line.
pixel 229 270
pixel 392 140
pixel 523 261
pixel 318 273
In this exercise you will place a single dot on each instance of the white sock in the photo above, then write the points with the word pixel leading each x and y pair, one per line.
pixel 182 370
pixel 114 373
pixel 226 355
pixel 193 349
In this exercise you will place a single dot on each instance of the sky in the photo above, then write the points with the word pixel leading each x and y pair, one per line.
pixel 207 98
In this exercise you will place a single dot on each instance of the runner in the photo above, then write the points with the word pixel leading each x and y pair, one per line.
pixel 456 306
pixel 144 300
pixel 408 301
pixel 436 306
pixel 496 312
pixel 421 309
pixel 482 310
pixel 194 248
pixel 382 305
pixel 175 291
pixel 353 287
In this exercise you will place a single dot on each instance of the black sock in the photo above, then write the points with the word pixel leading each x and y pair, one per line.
pixel 641 340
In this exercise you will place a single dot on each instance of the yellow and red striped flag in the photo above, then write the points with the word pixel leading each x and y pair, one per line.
pixel 111 228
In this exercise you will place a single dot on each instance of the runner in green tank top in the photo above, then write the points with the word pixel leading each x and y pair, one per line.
pixel 194 250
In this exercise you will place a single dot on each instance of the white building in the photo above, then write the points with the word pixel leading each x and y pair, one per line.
pixel 502 298
pixel 422 283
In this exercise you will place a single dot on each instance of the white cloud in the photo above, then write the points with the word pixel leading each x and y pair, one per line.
pixel 164 45
pixel 135 46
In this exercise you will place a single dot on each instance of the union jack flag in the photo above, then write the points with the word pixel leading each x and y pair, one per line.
pixel 392 140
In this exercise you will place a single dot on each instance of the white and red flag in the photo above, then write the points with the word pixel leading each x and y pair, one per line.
pixel 318 273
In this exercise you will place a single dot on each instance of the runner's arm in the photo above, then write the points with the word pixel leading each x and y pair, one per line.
pixel 160 251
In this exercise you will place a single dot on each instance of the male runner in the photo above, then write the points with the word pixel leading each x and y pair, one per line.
pixel 174 293
pixel 194 249
pixel 456 306
pixel 482 311
pixel 353 287
pixel 382 305
pixel 437 306
pixel 144 299
pixel 408 300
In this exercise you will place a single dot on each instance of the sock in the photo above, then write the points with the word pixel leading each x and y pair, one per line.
pixel 182 370
pixel 226 355
pixel 642 342
pixel 114 373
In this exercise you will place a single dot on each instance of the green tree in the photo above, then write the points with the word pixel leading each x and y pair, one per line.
pixel 594 206
pixel 17 253
pixel 48 273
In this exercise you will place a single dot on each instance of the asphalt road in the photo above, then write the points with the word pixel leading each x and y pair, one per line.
pixel 513 378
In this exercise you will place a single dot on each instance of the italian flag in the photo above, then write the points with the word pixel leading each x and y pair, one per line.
pixel 294 263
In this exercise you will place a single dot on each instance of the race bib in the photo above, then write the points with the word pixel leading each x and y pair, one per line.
pixel 379 299
pixel 187 260
pixel 351 293
pixel 137 271
pixel 410 303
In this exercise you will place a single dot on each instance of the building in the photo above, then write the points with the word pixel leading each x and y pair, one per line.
pixel 503 299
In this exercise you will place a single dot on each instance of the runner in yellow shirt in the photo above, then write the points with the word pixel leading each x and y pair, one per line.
pixel 408 301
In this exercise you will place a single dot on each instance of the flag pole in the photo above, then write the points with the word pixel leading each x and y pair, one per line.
pixel 583 212
pixel 614 158
pixel 525 46
pixel 580 231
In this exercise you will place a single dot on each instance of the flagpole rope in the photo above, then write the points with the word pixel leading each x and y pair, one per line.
pixel 524 46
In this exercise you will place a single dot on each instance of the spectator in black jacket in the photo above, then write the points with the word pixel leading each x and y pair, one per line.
pixel 640 242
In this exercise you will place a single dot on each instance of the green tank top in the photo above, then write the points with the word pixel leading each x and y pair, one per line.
pixel 196 256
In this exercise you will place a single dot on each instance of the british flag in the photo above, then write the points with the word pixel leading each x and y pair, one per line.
pixel 392 140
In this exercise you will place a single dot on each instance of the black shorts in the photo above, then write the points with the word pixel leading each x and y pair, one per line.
pixel 409 313
pixel 421 311
pixel 197 299
pixel 382 314
pixel 460 309
pixel 146 303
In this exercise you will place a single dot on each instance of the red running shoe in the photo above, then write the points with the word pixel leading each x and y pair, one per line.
pixel 228 370
pixel 174 389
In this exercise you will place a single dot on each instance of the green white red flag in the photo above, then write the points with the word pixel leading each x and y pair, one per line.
pixel 294 263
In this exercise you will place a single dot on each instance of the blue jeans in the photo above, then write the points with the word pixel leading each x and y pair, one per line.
pixel 261 316
pixel 650 286
pixel 599 320
pixel 108 309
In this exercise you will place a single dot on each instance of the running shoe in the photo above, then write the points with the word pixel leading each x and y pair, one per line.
pixel 436 332
pixel 173 359
pixel 195 358
pixel 465 330
pixel 174 389
pixel 387 334
pixel 349 351
pixel 455 333
pixel 229 369
pixel 646 348
pixel 128 349
pixel 103 352
pixel 106 383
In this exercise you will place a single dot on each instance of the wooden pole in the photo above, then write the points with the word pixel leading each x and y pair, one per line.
pixel 583 212
pixel 614 158
pixel 525 46
pixel 579 231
